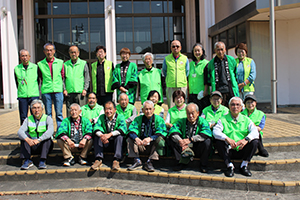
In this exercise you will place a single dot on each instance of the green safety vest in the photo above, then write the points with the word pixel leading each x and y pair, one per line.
pixel 247 68
pixel 157 108
pixel 150 80
pixel 128 112
pixel 74 76
pixel 211 116
pixel 107 75
pixel 89 113
pixel 27 80
pixel 255 117
pixel 36 132
pixel 196 76
pixel 176 71
pixel 50 84
pixel 176 114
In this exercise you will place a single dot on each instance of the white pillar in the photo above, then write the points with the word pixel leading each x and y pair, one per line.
pixel 28 27
pixel 9 51
pixel 190 24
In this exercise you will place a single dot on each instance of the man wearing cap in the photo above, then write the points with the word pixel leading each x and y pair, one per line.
pixel 92 110
pixel 126 109
pixel 191 136
pixel 236 138
pixel 258 118
pixel 176 70
pixel 77 79
pixel 213 112
pixel 221 73
pixel 26 77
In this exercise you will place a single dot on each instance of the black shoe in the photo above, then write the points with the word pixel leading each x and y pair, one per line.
pixel 149 167
pixel 137 164
pixel 229 172
pixel 179 167
pixel 203 169
pixel 245 171
pixel 263 153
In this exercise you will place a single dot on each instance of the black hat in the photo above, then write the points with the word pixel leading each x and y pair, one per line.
pixel 216 93
pixel 249 96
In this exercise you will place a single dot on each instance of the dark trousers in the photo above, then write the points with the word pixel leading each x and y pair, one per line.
pixel 74 98
pixel 114 141
pixel 101 100
pixel 201 150
pixel 226 97
pixel 42 148
pixel 23 107
pixel 245 154
pixel 202 103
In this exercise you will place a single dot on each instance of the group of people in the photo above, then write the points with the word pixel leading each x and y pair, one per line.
pixel 189 129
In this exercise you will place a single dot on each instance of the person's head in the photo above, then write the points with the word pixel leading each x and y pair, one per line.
pixel 74 52
pixel 241 51
pixel 216 99
pixel 49 51
pixel 175 47
pixel 148 59
pixel 123 100
pixel 37 107
pixel 250 102
pixel 148 108
pixel 75 111
pixel 178 97
pixel 192 112
pixel 125 54
pixel 92 99
pixel 220 49
pixel 109 109
pixel 154 96
pixel 24 56
pixel 235 106
pixel 100 52
pixel 198 52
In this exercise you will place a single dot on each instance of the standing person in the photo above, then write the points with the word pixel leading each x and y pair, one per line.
pixel 149 79
pixel 77 79
pixel 26 77
pixel 221 73
pixel 125 76
pixel 198 92
pixel 246 70
pixel 176 70
pixel 102 75
pixel 51 73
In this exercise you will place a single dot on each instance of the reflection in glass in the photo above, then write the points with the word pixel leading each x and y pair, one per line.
pixel 141 7
pixel 61 7
pixel 142 36
pixel 42 7
pixel 231 37
pixel 159 35
pixel 223 37
pixel 96 7
pixel 97 34
pixel 20 34
pixel 241 30
pixel 61 37
pixel 124 33
pixel 19 7
pixel 80 36
pixel 123 7
pixel 159 6
pixel 43 35
pixel 79 7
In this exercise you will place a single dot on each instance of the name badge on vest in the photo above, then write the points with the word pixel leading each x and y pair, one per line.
pixel 108 68
pixel 248 66
pixel 194 75
pixel 181 63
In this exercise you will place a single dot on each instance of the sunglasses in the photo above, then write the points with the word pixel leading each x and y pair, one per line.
pixel 177 46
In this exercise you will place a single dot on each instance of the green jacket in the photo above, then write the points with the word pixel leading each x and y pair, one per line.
pixel 89 113
pixel 74 76
pixel 65 127
pixel 108 70
pixel 196 76
pixel 128 112
pixel 176 114
pixel 176 71
pixel 120 124
pixel 255 117
pixel 211 116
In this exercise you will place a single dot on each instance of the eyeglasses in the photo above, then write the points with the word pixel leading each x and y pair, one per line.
pixel 177 46
pixel 235 104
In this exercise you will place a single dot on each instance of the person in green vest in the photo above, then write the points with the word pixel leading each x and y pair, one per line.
pixel 246 70
pixel 35 135
pixel 259 119
pixel 126 109
pixel 216 110
pixel 236 137
pixel 75 135
pixel 176 70
pixel 154 96
pixel 125 76
pixel 92 110
pixel 26 77
pixel 77 79
pixel 191 136
pixel 109 132
pixel 220 74
pixel 196 86
pixel 102 75
pixel 178 111
pixel 51 75
pixel 149 79
pixel 146 136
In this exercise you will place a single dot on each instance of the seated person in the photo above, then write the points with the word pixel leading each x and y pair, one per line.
pixel 258 118
pixel 213 112
pixel 75 135
pixel 126 109
pixel 236 137
pixel 191 135
pixel 92 110
pixel 145 135
pixel 154 96
pixel 178 111
pixel 109 131
pixel 35 135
